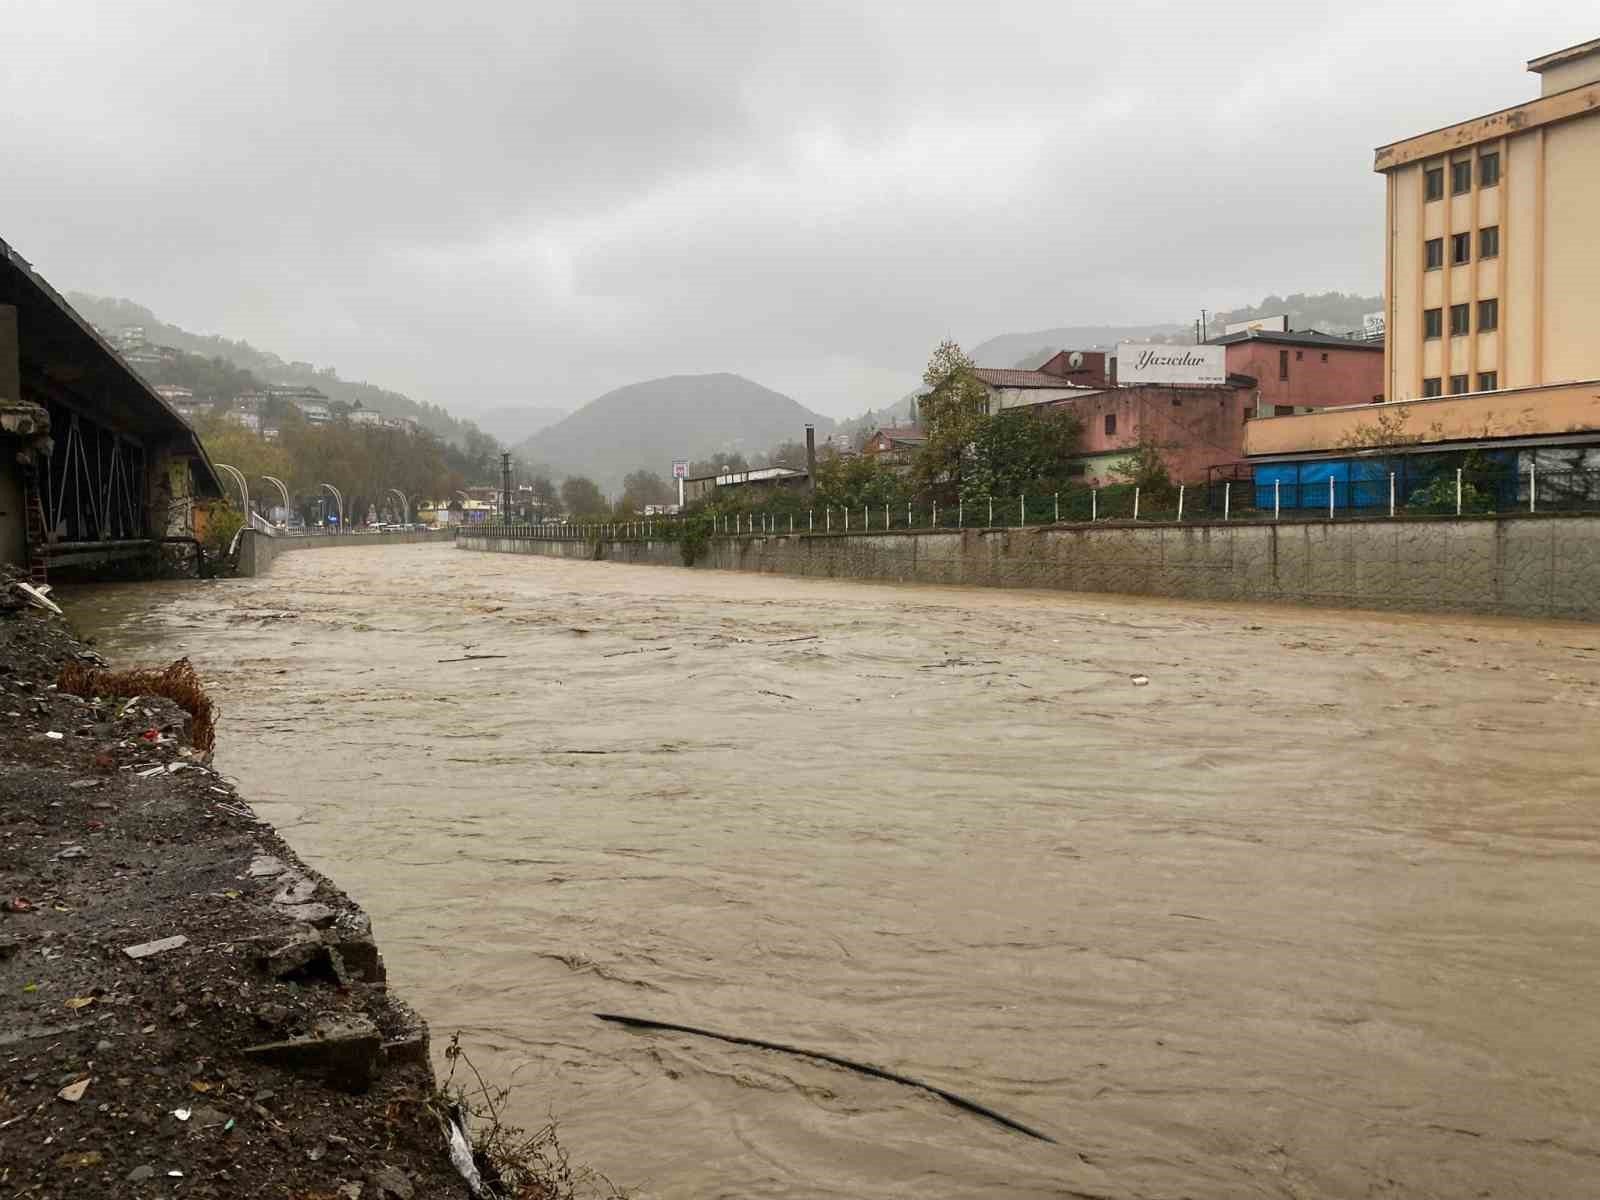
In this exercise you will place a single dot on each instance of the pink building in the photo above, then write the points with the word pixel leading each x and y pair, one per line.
pixel 1200 429
pixel 1306 370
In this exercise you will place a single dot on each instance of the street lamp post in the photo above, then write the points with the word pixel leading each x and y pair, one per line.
pixel 338 499
pixel 283 491
pixel 244 488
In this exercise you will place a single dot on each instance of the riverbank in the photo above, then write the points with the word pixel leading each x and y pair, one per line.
pixel 1525 565
pixel 186 1008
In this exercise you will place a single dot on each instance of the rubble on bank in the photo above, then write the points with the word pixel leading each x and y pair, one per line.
pixel 186 1009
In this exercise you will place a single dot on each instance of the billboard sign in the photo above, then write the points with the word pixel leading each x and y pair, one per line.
pixel 680 469
pixel 1278 324
pixel 1373 324
pixel 1181 366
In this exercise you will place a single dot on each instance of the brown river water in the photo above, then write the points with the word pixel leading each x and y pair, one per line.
pixel 1315 912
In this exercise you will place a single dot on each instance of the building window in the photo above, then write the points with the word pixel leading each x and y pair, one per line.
pixel 1488 381
pixel 1111 424
pixel 1488 315
pixel 1177 402
pixel 1433 254
pixel 1077 469
pixel 1433 183
pixel 1460 320
pixel 1324 356
pixel 1460 248
pixel 1432 323
pixel 1283 364
pixel 1283 410
pixel 1430 387
pixel 1458 385
pixel 1488 170
pixel 1489 242
pixel 1461 177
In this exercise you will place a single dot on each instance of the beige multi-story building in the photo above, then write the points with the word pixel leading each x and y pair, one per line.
pixel 1493 259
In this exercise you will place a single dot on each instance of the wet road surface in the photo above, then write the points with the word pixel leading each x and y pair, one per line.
pixel 1315 912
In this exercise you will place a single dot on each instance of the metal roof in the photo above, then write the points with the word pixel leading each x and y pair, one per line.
pixel 58 346
pixel 1306 337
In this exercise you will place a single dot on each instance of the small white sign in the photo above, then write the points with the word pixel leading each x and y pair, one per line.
pixel 1374 324
pixel 1188 366
pixel 1278 324
pixel 680 470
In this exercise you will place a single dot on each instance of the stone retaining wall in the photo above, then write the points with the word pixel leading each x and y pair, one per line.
pixel 1535 565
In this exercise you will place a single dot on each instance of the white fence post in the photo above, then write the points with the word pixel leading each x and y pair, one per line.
pixel 1458 491
pixel 991 512
pixel 1277 485
pixel 1330 497
pixel 1094 504
pixel 936 514
pixel 811 520
pixel 1391 493
pixel 1533 486
pixel 1024 501
pixel 1227 499
pixel 1135 503
pixel 960 508
pixel 1180 503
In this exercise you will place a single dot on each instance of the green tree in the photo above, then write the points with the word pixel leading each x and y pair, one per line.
pixel 851 481
pixel 789 454
pixel 1146 468
pixel 581 497
pixel 953 411
pixel 1021 450
pixel 718 464
pixel 642 487
pixel 544 493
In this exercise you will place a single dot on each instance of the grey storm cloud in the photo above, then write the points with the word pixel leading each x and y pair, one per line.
pixel 487 203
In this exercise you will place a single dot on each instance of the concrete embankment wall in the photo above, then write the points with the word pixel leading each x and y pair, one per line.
pixel 257 550
pixel 1546 566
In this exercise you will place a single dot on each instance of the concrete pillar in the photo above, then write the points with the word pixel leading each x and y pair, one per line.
pixel 13 517
pixel 10 356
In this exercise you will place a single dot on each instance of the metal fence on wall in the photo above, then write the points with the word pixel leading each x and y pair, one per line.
pixel 1458 492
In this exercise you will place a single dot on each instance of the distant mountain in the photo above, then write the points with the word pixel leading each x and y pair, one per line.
pixel 1326 312
pixel 1028 350
pixel 647 425
pixel 513 425
pixel 111 314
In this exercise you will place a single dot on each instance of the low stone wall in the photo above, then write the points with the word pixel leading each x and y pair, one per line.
pixel 257 550
pixel 1535 565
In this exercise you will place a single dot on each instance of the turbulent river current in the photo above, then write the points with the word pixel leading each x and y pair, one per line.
pixel 1315 911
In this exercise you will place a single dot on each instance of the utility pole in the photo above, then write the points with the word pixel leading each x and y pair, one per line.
pixel 505 486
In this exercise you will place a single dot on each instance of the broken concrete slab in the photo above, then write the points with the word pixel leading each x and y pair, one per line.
pixel 317 915
pixel 146 949
pixel 344 1051
pixel 297 889
pixel 264 866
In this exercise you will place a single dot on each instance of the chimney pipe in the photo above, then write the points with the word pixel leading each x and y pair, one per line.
pixel 811 457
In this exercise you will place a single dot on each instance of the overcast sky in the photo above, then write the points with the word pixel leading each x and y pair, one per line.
pixel 485 204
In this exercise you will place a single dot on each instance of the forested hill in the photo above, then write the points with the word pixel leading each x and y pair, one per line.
pixel 647 425
pixel 267 367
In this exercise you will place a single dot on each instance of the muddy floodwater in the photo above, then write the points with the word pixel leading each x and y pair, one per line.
pixel 1313 912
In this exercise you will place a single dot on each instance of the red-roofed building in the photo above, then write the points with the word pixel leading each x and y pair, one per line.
pixel 1068 375
pixel 894 443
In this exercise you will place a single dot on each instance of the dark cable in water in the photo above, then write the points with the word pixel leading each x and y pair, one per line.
pixel 864 1068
